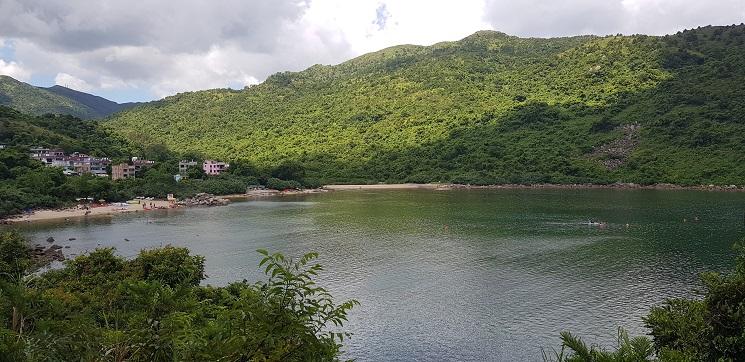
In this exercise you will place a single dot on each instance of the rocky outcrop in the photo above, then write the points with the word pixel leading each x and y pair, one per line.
pixel 615 153
pixel 204 199
pixel 41 256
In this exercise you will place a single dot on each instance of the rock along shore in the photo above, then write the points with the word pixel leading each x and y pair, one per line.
pixel 203 199
pixel 619 186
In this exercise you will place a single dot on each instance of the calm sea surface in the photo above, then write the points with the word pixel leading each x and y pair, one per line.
pixel 458 275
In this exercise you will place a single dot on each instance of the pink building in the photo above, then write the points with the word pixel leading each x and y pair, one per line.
pixel 212 167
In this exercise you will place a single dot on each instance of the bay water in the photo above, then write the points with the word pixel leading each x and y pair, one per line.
pixel 467 275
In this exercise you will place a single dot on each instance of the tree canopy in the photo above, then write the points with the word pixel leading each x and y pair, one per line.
pixel 152 308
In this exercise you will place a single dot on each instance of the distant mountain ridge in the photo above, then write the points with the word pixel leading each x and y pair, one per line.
pixel 57 100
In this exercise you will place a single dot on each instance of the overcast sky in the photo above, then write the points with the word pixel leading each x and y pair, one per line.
pixel 129 50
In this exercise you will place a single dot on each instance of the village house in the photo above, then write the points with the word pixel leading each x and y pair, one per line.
pixel 214 168
pixel 122 171
pixel 184 165
pixel 50 157
pixel 98 166
pixel 129 170
pixel 76 163
pixel 139 164
pixel 82 163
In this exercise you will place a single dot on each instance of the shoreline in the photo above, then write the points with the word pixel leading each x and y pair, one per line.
pixel 78 213
pixel 405 186
pixel 110 210
pixel 616 186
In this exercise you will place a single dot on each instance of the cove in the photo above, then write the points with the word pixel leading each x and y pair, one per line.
pixel 457 275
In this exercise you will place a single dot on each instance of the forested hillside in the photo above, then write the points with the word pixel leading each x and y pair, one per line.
pixel 56 131
pixel 490 108
pixel 55 100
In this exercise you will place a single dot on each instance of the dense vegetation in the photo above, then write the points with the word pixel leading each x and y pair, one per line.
pixel 69 133
pixel 55 100
pixel 100 307
pixel 26 183
pixel 707 329
pixel 490 108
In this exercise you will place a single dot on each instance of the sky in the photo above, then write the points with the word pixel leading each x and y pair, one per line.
pixel 128 50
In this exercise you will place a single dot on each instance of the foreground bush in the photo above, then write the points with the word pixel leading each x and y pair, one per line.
pixel 709 329
pixel 102 307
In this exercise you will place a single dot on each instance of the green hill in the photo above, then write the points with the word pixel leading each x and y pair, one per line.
pixel 56 100
pixel 490 108
pixel 71 134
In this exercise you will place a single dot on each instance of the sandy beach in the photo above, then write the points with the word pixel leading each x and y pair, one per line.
pixel 80 212
pixel 111 209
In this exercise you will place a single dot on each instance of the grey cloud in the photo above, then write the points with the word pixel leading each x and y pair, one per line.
pixel 553 18
pixel 174 26
pixel 547 18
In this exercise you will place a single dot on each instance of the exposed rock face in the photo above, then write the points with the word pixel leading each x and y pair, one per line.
pixel 615 153
pixel 262 192
pixel 204 199
pixel 42 256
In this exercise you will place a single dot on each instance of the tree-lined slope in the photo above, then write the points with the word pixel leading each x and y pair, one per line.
pixel 490 108
pixel 71 134
pixel 55 100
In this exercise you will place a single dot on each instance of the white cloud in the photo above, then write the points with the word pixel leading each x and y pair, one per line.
pixel 418 22
pixel 72 82
pixel 15 70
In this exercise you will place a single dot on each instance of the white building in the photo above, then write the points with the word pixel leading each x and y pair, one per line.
pixel 184 165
